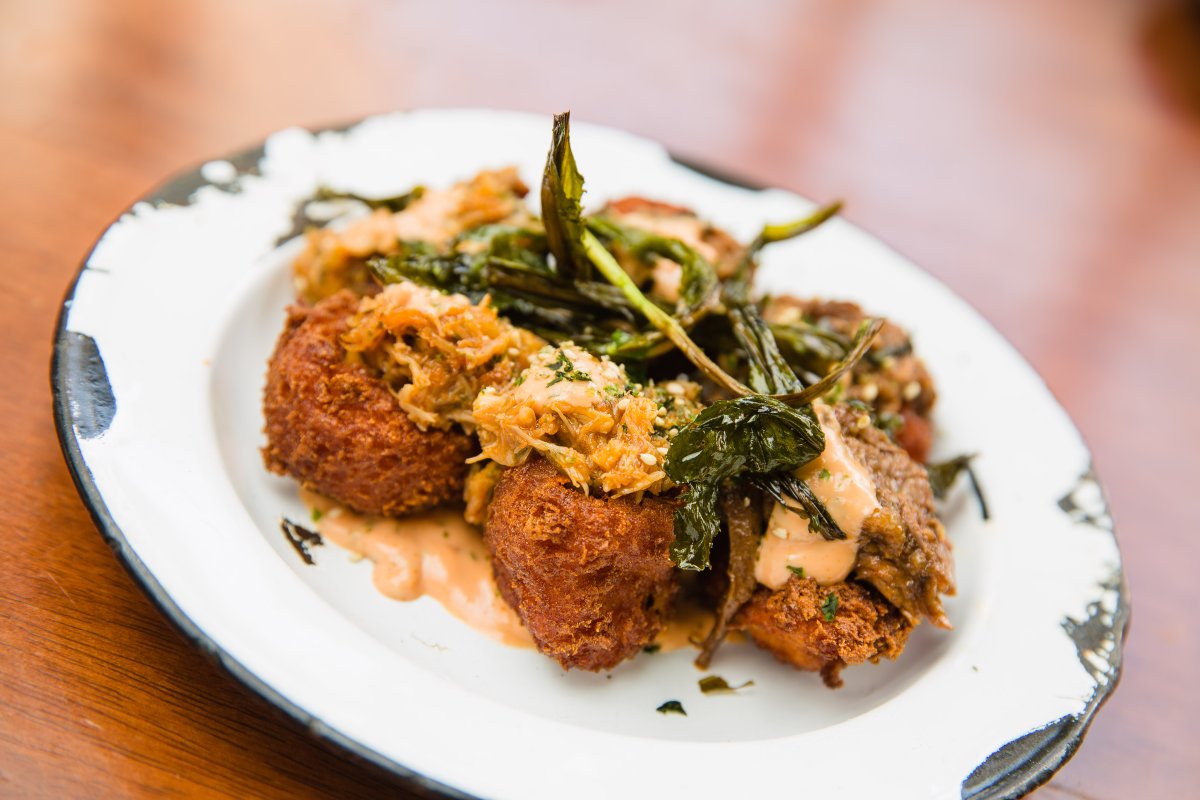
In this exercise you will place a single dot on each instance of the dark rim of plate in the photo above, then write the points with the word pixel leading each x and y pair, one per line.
pixel 77 375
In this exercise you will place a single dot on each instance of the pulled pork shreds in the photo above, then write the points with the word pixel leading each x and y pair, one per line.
pixel 336 259
pixel 437 351
pixel 583 415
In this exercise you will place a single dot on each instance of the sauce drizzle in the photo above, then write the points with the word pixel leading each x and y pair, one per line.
pixel 436 554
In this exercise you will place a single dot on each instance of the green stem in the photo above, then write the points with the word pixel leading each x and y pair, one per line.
pixel 862 341
pixel 610 269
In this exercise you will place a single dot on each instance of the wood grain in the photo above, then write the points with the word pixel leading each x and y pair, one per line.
pixel 1043 159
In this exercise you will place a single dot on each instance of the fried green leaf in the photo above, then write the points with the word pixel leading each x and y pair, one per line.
pixel 795 495
pixel 862 341
pixel 394 203
pixel 743 527
pixel 770 372
pixel 789 230
pixel 748 436
pixel 715 684
pixel 562 196
pixel 944 474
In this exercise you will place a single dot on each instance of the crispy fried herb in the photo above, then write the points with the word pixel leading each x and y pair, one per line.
pixel 564 370
pixel 797 571
pixel 301 539
pixel 943 475
pixel 699 288
pixel 396 203
pixel 510 264
pixel 739 283
pixel 810 349
pixel 750 437
pixel 743 526
pixel 562 193
pixel 715 684
pixel 790 230
pixel 796 496
pixel 671 707
pixel 829 607
pixel 770 372
pixel 668 325
pixel 862 341
pixel 652 648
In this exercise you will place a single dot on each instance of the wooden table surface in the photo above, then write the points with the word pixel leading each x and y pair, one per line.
pixel 1043 159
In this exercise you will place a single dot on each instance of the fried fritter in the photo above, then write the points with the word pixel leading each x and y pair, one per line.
pixel 336 426
pixel 792 624
pixel 591 577
pixel 904 552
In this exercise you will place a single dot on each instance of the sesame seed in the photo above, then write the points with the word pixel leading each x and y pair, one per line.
pixel 623 404
pixel 745 502
pixel 869 392
pixel 912 390
pixel 675 389
pixel 648 459
pixel 780 532
pixel 512 351
pixel 662 451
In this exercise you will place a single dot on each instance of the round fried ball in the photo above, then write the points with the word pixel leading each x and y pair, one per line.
pixel 591 577
pixel 337 428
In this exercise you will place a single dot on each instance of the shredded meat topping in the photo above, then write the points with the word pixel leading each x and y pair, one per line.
pixel 583 415
pixel 437 351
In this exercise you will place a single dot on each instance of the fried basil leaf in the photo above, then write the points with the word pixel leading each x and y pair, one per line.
pixel 746 436
pixel 562 195
pixel 794 495
pixel 743 525
pixel 943 475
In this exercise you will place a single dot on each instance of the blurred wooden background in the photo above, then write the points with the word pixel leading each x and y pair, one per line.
pixel 1043 159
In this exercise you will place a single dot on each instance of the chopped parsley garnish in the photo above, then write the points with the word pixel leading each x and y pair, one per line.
pixel 715 684
pixel 564 370
pixel 823 474
pixel 316 515
pixel 671 707
pixel 829 607
pixel 517 381
pixel 797 571
pixel 613 390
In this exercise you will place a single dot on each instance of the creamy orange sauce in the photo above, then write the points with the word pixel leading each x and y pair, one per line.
pixel 436 554
pixel 541 391
pixel 844 486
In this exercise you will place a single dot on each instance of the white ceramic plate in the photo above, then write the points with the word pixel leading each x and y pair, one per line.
pixel 158 370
